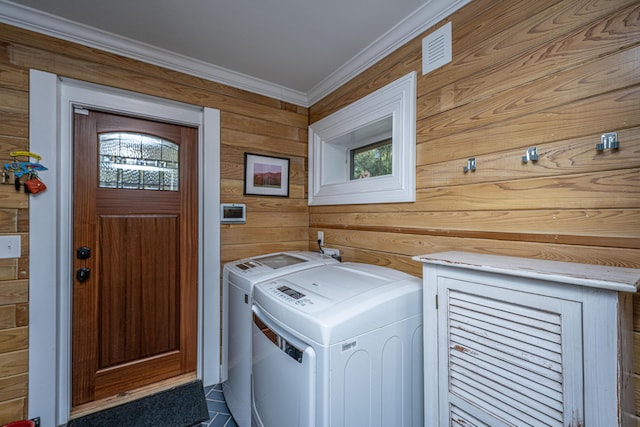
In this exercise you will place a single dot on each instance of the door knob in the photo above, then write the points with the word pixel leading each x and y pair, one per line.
pixel 82 274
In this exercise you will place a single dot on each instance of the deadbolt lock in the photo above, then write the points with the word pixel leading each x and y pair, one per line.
pixel 83 252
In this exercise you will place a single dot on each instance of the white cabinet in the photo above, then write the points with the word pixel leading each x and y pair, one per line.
pixel 522 342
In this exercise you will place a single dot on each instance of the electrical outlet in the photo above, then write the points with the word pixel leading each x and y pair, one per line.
pixel 321 237
pixel 10 247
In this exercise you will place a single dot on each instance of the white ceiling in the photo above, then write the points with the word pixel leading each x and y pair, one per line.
pixel 294 50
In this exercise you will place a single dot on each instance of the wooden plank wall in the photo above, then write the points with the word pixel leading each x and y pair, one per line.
pixel 551 74
pixel 249 122
pixel 14 279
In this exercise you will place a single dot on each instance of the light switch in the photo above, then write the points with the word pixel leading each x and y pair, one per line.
pixel 10 247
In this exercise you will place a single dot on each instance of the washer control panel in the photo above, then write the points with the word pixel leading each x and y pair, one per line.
pixel 247 265
pixel 291 292
pixel 289 295
pixel 267 263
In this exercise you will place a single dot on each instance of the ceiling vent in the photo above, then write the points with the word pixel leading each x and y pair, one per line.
pixel 436 49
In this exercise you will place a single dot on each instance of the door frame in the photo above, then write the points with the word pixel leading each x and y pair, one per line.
pixel 51 100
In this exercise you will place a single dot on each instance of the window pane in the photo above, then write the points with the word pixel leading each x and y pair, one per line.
pixel 137 161
pixel 372 160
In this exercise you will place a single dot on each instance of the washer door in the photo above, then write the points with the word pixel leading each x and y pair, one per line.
pixel 283 377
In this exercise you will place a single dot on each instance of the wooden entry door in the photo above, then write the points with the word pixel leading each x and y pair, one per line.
pixel 134 319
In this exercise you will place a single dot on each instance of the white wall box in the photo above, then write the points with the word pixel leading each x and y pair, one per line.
pixel 526 342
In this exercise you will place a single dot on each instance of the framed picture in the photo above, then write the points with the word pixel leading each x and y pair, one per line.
pixel 266 176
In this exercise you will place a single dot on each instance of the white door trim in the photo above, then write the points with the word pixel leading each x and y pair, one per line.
pixel 51 103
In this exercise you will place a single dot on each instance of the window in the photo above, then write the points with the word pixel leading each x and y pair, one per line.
pixel 372 160
pixel 365 152
pixel 137 161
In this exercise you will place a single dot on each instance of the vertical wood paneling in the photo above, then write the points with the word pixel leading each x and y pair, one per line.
pixel 553 75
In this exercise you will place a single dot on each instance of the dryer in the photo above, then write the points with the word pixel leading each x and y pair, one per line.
pixel 239 277
pixel 340 346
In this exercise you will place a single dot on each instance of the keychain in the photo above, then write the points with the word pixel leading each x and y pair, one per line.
pixel 33 185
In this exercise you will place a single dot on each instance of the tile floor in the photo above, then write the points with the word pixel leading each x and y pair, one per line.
pixel 219 414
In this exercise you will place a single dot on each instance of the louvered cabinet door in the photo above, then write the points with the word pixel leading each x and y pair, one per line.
pixel 508 358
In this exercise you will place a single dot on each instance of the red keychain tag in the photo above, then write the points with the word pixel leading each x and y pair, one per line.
pixel 35 185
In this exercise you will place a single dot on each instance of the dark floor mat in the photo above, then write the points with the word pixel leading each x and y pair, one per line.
pixel 181 406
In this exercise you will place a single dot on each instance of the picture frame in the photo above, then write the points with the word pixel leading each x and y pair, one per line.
pixel 266 175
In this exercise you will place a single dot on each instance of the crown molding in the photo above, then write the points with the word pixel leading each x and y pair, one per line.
pixel 41 22
pixel 51 25
pixel 406 30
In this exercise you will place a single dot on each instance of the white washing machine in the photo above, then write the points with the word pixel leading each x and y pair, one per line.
pixel 339 346
pixel 239 277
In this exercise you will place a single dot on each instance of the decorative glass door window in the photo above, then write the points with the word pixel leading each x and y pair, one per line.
pixel 137 161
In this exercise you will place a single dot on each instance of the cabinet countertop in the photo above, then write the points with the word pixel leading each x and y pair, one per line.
pixel 589 275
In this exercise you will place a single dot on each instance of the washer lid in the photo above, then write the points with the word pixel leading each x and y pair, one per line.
pixel 247 271
pixel 336 302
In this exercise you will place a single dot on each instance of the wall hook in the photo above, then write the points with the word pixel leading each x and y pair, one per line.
pixel 530 155
pixel 608 141
pixel 471 165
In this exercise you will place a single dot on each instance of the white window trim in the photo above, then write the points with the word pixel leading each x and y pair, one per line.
pixel 50 128
pixel 396 100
